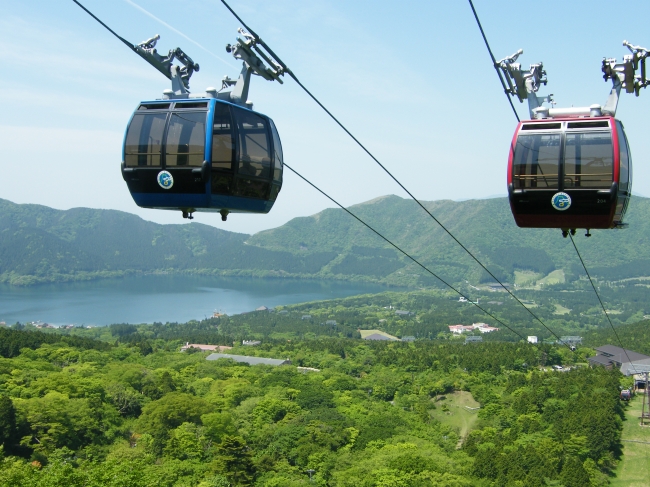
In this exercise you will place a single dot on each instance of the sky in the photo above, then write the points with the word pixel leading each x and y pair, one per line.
pixel 412 80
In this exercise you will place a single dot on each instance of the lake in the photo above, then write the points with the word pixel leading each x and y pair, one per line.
pixel 165 298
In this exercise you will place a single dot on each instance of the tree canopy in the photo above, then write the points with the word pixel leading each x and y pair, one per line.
pixel 80 413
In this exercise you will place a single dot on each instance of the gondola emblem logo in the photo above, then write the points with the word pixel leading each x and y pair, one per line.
pixel 561 201
pixel 165 180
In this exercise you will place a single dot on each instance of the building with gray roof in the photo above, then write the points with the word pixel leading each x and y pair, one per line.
pixel 600 360
pixel 611 356
pixel 377 336
pixel 249 360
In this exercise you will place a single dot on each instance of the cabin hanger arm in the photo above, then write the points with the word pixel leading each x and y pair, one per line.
pixel 623 75
pixel 524 84
pixel 254 61
pixel 179 76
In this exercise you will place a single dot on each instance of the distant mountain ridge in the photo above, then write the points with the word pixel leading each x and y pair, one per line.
pixel 41 244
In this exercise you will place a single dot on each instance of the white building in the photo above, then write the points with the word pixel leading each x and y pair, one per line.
pixel 532 339
pixel 482 327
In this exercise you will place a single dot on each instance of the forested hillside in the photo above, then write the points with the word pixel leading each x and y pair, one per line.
pixel 485 226
pixel 431 312
pixel 132 411
pixel 40 244
pixel 634 337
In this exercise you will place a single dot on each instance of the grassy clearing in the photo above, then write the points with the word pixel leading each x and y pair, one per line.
pixel 634 468
pixel 555 277
pixel 526 278
pixel 536 280
pixel 452 410
pixel 365 333
pixel 561 310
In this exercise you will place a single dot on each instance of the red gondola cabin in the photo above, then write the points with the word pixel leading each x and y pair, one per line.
pixel 569 173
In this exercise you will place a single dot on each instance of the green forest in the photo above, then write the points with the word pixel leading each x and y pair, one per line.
pixel 432 311
pixel 122 406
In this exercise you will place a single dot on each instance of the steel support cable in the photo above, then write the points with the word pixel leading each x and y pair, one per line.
pixel 131 46
pixel 600 300
pixel 505 90
pixel 294 77
pixel 286 69
pixel 494 61
pixel 399 249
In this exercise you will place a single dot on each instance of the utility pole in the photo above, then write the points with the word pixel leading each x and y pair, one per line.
pixel 311 472
pixel 645 393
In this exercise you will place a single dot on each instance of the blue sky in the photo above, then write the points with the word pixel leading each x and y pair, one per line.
pixel 411 79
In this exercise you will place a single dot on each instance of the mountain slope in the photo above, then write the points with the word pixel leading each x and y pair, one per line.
pixel 486 227
pixel 40 244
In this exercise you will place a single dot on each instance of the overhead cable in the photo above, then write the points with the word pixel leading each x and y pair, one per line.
pixel 403 252
pixel 494 61
pixel 131 46
pixel 600 301
pixel 290 73
pixel 173 29
pixel 496 67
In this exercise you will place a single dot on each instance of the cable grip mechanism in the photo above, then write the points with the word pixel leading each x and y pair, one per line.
pixel 524 84
pixel 179 76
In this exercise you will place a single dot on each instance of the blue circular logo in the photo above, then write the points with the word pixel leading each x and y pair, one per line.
pixel 166 180
pixel 561 201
